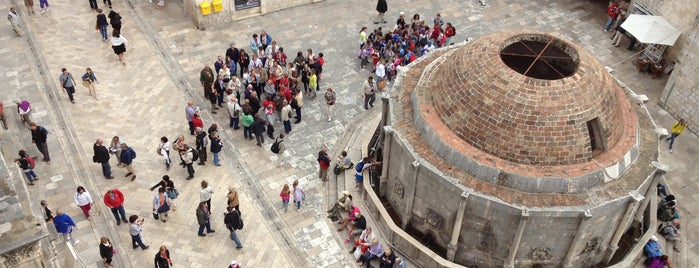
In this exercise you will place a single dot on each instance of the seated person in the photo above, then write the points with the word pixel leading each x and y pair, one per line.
pixel 363 243
pixel 351 216
pixel 660 262
pixel 343 204
pixel 345 161
pixel 652 248
pixel 358 226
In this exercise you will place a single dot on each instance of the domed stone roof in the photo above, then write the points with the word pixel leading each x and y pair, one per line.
pixel 527 97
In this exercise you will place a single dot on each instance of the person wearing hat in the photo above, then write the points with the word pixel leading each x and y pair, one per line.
pixel 234 264
pixel 652 249
pixel 343 205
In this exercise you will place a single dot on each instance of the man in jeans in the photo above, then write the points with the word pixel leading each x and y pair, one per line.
pixel 114 199
pixel 369 93
pixel 67 83
pixel 102 156
pixel 233 223
pixel 203 218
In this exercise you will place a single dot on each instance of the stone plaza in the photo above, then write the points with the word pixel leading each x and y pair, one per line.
pixel 145 99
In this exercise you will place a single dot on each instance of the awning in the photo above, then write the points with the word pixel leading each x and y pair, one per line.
pixel 651 29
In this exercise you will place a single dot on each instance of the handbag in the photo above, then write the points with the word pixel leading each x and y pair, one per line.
pixel 382 84
pixel 155 215
pixel 164 208
pixel 86 83
pixel 172 193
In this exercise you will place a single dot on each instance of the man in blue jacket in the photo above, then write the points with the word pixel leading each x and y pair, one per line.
pixel 64 225
pixel 127 156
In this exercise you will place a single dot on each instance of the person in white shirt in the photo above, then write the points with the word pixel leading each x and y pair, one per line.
pixel 84 200
pixel 119 45
pixel 14 20
pixel 380 71
pixel 205 194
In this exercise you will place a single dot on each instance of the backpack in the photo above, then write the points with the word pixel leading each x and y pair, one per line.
pixel 31 162
pixel 359 167
pixel 195 156
pixel 275 146
pixel 133 153
pixel 613 10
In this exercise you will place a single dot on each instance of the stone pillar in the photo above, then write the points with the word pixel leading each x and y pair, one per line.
pixel 456 232
pixel 623 224
pixel 574 247
pixel 660 170
pixel 408 212
pixel 387 140
pixel 518 238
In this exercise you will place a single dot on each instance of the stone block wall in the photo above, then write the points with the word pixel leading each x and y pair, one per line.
pixel 229 14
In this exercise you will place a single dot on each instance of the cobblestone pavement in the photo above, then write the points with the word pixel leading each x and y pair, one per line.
pixel 145 100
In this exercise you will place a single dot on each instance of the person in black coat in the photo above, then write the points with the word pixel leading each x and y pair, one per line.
pixel 165 183
pixel 106 251
pixel 381 7
pixel 102 156
pixel 114 20
pixel 162 258
pixel 39 135
pixel 258 128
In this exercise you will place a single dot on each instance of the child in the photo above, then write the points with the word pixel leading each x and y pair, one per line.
pixel 285 195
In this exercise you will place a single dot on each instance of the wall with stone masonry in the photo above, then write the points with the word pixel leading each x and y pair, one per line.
pixel 229 14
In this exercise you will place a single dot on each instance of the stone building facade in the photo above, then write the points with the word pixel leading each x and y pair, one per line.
pixel 232 11
pixel 502 164
pixel 680 94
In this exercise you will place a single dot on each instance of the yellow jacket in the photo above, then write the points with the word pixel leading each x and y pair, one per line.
pixel 677 128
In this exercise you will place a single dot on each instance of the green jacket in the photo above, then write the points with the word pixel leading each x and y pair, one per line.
pixel 202 216
pixel 247 120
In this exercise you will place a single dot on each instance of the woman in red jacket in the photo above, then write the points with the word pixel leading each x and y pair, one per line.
pixel 114 199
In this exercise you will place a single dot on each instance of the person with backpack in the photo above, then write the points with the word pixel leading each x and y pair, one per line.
pixel 27 164
pixel 188 158
pixel 449 31
pixel 360 167
pixel 127 157
pixel 39 135
pixel 299 194
pixel 233 223
pixel 324 162
pixel 613 11
pixel 278 148
pixel 201 142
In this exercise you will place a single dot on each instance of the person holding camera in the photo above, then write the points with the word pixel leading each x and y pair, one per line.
pixel 135 229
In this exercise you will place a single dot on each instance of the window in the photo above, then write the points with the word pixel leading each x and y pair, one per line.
pixel 594 129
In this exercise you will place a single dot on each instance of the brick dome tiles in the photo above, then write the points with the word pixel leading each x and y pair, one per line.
pixel 518 118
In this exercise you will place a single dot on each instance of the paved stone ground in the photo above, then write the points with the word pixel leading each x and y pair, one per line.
pixel 144 100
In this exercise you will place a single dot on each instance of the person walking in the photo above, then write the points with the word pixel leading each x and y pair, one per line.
pixel 30 6
pixel 93 4
pixel 114 20
pixel 44 4
pixel 216 145
pixel 24 109
pixel 90 81
pixel 14 21
pixel 26 163
pixel 101 155
pixel 106 251
pixel 114 199
pixel 381 7
pixel 46 211
pixel 613 11
pixel 67 83
pixel 108 2
pixel 233 200
pixel 39 135
pixel 164 150
pixel 127 156
pixel 203 215
pixel 205 193
pixel 187 156
pixel 135 230
pixel 324 163
pixel 170 190
pixel 162 258
pixel 677 129
pixel 369 93
pixel 161 204
pixel 119 45
pixel 233 223
pixel 330 102
pixel 64 225
pixel 299 194
pixel 285 194
pixel 83 199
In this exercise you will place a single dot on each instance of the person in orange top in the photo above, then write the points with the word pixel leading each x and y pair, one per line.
pixel 114 199
pixel 677 129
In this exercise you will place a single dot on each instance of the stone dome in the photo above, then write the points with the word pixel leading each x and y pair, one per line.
pixel 529 98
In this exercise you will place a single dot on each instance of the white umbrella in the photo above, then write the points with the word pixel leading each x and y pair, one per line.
pixel 651 29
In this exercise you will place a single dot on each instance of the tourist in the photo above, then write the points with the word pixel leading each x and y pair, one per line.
pixel 330 102
pixel 127 156
pixel 164 148
pixel 400 262
pixel 358 226
pixel 64 225
pixel 381 7
pixel 102 24
pixel 281 148
pixel 14 21
pixel 115 149
pixel 119 45
pixel 258 128
pixel 46 211
pixel 206 78
pixel 613 11
pixel 216 145
pixel 361 166
pixel 363 243
pixel 285 194
pixel 387 259
pixel 67 84
pixel 299 195
pixel 114 199
pixel 677 129
pixel 101 155
pixel 233 223
pixel 203 215
pixel 234 111
pixel 189 112
pixel 205 193
pixel 201 142
pixel 106 251
pixel 24 109
pixel 135 229
pixel 114 20
pixel 232 197
pixel 39 135
pixel 351 216
pixel 324 163
pixel 27 164
pixel 369 90
pixel 374 251
pixel 652 248
pixel 162 258
pixel 30 6
pixel 345 162
pixel 342 205
pixel 161 204
pixel 286 116
pixel 297 105
pixel 83 199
